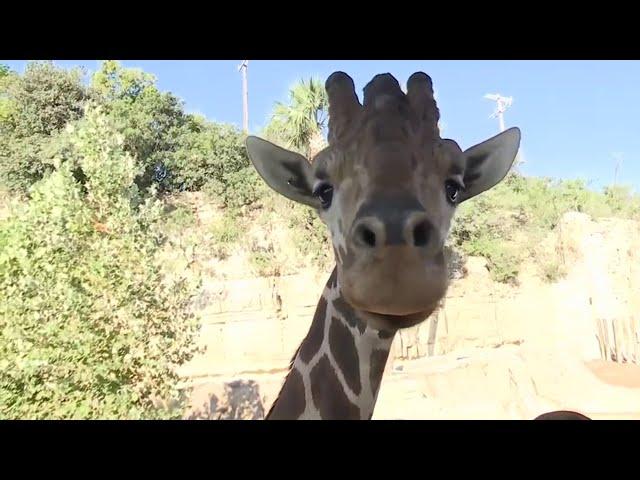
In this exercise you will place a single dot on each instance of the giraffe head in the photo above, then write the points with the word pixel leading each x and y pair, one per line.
pixel 387 187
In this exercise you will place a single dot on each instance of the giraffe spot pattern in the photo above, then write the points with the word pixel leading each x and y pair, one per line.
pixel 385 334
pixel 333 279
pixel 328 395
pixel 312 343
pixel 343 349
pixel 290 404
pixel 348 315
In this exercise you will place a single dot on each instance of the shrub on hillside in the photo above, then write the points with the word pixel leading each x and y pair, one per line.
pixel 213 157
pixel 507 223
pixel 89 327
pixel 35 107
pixel 149 120
pixel 312 235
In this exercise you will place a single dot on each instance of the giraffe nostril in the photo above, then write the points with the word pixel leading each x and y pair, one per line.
pixel 366 236
pixel 421 234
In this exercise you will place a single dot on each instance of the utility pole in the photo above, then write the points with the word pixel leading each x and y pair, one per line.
pixel 502 103
pixel 245 95
pixel 618 158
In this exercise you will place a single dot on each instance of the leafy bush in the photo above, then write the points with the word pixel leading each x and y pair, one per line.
pixel 172 149
pixel 263 260
pixel 213 157
pixel 177 150
pixel 179 218
pixel 90 329
pixel 35 107
pixel 507 223
pixel 311 234
pixel 149 120
pixel 225 233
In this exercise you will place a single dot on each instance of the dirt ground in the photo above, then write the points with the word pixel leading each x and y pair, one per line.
pixel 507 383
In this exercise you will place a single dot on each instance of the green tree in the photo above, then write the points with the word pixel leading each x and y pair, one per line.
pixel 300 122
pixel 45 98
pixel 114 82
pixel 35 107
pixel 150 120
pixel 89 326
pixel 213 156
pixel 5 103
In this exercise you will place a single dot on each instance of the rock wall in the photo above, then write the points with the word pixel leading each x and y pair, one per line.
pixel 254 325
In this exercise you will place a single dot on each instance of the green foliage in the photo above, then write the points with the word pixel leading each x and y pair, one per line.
pixel 90 328
pixel 113 82
pixel 311 235
pixel 24 161
pixel 150 120
pixel 34 108
pixel 299 124
pixel 179 218
pixel 5 102
pixel 225 233
pixel 552 269
pixel 213 157
pixel 262 259
pixel 45 98
pixel 622 201
pixel 170 148
pixel 195 153
pixel 507 223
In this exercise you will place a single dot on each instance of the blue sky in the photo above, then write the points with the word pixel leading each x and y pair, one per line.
pixel 577 117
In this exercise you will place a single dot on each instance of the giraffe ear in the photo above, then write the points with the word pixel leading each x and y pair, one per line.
pixel 489 162
pixel 286 172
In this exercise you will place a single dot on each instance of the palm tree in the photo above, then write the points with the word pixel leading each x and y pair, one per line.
pixel 301 122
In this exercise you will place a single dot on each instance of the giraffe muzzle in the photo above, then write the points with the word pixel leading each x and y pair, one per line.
pixel 397 280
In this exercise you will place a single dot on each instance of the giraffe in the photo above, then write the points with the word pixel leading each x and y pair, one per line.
pixel 386 186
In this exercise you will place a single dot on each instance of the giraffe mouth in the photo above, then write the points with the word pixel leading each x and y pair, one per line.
pixel 384 321
pixel 404 304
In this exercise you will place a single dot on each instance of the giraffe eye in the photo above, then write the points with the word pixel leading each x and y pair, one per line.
pixel 324 192
pixel 453 190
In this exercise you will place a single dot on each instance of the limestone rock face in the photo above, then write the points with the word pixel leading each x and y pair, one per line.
pixel 541 334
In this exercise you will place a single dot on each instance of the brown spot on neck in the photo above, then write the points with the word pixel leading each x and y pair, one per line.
pixel 343 349
pixel 385 334
pixel 349 315
pixel 290 403
pixel 328 395
pixel 311 344
pixel 333 279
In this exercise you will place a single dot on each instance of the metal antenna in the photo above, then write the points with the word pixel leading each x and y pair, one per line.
pixel 502 103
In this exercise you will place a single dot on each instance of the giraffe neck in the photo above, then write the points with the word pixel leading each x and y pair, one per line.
pixel 337 370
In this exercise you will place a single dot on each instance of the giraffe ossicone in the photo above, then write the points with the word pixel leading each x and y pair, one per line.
pixel 387 187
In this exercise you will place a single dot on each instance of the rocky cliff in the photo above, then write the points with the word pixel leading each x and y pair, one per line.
pixel 253 325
